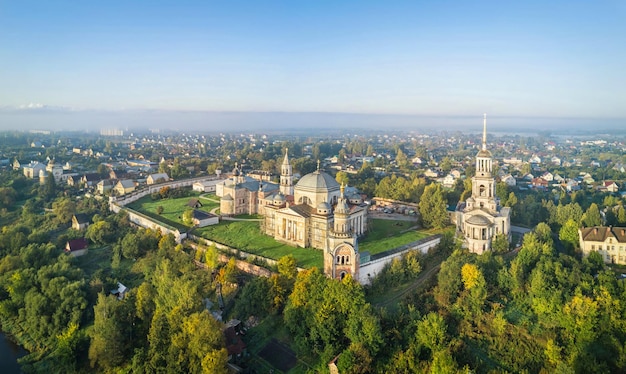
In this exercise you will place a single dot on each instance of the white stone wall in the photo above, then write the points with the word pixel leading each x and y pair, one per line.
pixel 370 270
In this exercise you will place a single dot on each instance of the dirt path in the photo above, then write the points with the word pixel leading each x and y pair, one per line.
pixel 419 281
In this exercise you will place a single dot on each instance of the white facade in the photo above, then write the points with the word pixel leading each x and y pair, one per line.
pixel 481 217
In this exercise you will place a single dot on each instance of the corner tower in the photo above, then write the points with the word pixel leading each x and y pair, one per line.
pixel 286 176
pixel 341 256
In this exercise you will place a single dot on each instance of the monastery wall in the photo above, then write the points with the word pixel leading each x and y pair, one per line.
pixel 370 269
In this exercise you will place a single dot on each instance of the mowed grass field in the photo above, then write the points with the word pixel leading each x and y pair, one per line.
pixel 247 236
pixel 173 209
pixel 389 234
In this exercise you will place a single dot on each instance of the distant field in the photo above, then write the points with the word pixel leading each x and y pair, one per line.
pixel 247 236
pixel 388 234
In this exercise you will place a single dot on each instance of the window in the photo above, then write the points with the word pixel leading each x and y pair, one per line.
pixel 593 247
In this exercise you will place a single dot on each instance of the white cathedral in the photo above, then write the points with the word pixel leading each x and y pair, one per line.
pixel 480 218
pixel 314 213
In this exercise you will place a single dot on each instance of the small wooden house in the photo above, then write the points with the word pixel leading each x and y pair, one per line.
pixel 76 247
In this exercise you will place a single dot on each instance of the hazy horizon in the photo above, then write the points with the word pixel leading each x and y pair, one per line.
pixel 274 64
pixel 293 122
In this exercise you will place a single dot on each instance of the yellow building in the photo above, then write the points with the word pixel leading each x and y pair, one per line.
pixel 609 242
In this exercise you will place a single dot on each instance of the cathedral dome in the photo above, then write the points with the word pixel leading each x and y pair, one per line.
pixel 478 220
pixel 317 181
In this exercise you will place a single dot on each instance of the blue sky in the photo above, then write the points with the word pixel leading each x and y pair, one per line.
pixel 436 58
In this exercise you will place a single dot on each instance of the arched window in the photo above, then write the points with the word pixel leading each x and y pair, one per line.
pixel 338 259
pixel 343 275
pixel 482 190
pixel 347 259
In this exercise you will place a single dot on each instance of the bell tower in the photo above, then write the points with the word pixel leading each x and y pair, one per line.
pixel 483 183
pixel 286 176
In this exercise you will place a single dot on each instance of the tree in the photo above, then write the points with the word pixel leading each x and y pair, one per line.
pixel 500 243
pixel 401 160
pixel 569 233
pixel 433 207
pixel 100 232
pixel 287 267
pixel 188 216
pixel 64 209
pixel 431 332
pixel 621 215
pixel 543 232
pixel 211 257
pixel 342 178
pixel 159 209
pixel 592 216
pixel 107 341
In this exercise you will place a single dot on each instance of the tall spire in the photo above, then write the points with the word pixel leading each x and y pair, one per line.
pixel 485 132
pixel 286 159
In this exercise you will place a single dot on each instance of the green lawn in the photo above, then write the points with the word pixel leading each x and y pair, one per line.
pixel 388 234
pixel 247 236
pixel 173 209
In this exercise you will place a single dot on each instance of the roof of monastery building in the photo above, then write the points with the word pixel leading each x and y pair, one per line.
pixel 317 180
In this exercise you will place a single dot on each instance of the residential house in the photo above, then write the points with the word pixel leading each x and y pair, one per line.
pixel 80 221
pixel 558 178
pixel 17 165
pixel 124 187
pixel 609 242
pixel 509 180
pixel 90 179
pixel 555 161
pixel 76 247
pixel 587 178
pixel 456 173
pixel 572 185
pixel 535 159
pixel 539 183
pixel 430 173
pixel 417 160
pixel 157 178
pixel 105 186
pixel 448 181
pixel 618 166
pixel 33 169
pixel 610 186
pixel 547 176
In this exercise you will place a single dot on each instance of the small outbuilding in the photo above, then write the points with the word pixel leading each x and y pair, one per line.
pixel 76 247
pixel 80 221
pixel 202 218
